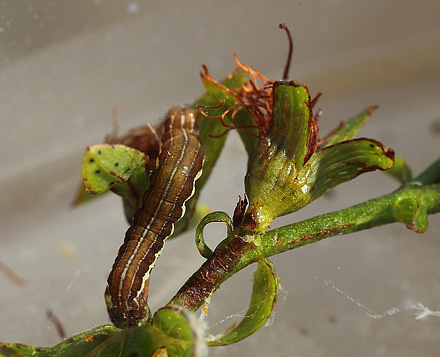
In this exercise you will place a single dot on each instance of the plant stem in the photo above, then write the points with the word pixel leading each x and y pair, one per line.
pixel 366 215
pixel 242 251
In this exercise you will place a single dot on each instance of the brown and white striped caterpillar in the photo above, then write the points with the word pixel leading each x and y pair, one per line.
pixel 163 204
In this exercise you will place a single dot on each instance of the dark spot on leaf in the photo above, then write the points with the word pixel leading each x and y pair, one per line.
pixel 371 145
pixel 99 152
pixel 97 171
pixel 92 160
pixel 116 163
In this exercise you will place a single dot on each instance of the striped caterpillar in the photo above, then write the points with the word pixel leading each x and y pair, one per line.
pixel 163 204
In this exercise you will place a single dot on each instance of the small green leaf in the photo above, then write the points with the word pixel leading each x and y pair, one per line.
pixel 218 216
pixel 105 165
pixel 349 129
pixel 223 91
pixel 343 162
pixel 211 130
pixel 409 212
pixel 180 332
pixel 174 328
pixel 22 350
pixel 264 296
pixel 103 341
pixel 400 170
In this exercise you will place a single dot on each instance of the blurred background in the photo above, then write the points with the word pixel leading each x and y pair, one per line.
pixel 64 64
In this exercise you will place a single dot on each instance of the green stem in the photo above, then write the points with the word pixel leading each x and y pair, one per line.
pixel 366 215
pixel 242 251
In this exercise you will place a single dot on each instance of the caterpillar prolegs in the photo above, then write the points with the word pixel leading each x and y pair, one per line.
pixel 163 204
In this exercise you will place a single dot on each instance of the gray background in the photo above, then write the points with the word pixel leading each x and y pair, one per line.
pixel 64 64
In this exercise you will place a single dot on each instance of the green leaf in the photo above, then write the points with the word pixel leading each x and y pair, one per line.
pixel 180 331
pixel 211 130
pixel 264 296
pixel 103 341
pixel 343 162
pixel 223 91
pixel 400 170
pixel 291 120
pixel 106 165
pixel 271 184
pixel 173 327
pixel 349 129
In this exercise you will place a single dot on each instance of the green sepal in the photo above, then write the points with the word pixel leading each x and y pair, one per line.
pixel 291 120
pixel 217 216
pixel 349 129
pixel 106 165
pixel 289 170
pixel 264 296
pixel 271 178
pixel 409 212
pixel 343 162
pixel 400 170
pixel 274 187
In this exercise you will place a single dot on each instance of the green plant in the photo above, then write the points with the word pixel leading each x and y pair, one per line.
pixel 288 167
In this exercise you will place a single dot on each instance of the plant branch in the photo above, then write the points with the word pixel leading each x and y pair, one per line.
pixel 242 251
pixel 366 215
